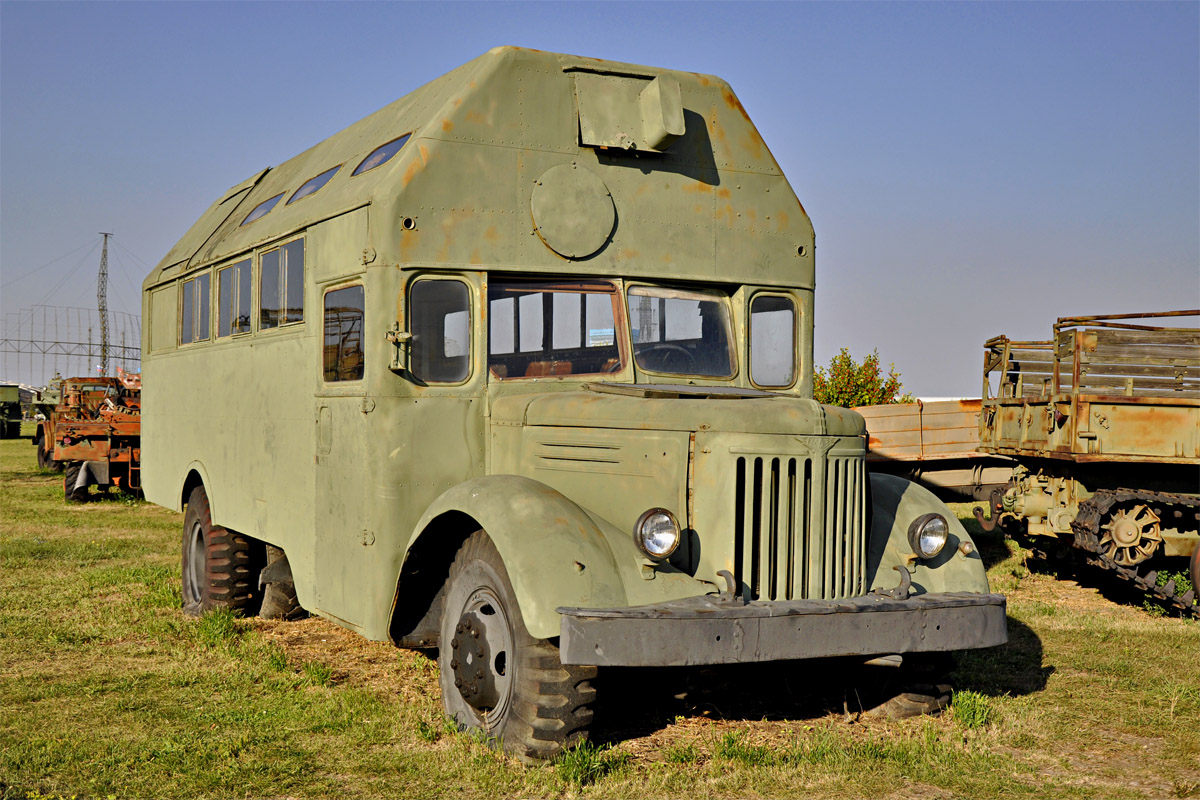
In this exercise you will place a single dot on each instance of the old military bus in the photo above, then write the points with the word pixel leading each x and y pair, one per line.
pixel 520 367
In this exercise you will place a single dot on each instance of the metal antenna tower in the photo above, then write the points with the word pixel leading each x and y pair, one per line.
pixel 102 300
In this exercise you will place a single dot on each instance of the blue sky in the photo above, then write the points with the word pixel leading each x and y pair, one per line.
pixel 971 169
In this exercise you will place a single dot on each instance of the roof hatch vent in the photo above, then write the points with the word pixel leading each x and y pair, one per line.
pixel 628 112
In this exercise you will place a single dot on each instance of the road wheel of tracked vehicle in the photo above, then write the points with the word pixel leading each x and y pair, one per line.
pixel 495 677
pixel 70 478
pixel 1131 535
pixel 220 566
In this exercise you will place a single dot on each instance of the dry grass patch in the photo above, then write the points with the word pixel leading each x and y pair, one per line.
pixel 106 689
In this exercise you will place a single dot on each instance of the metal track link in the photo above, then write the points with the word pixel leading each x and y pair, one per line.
pixel 1086 527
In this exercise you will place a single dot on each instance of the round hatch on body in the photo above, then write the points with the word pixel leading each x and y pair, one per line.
pixel 572 211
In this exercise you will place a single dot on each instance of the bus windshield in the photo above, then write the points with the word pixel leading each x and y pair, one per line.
pixel 681 332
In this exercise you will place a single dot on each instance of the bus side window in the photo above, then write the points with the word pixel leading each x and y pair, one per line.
pixel 195 307
pixel 343 349
pixel 281 285
pixel 440 316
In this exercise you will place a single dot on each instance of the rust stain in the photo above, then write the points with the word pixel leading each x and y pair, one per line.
pixel 753 144
pixel 424 152
pixel 703 80
pixel 781 221
pixel 491 234
pixel 476 117
pixel 409 244
pixel 732 102
pixel 476 258
pixel 667 258
pixel 645 188
pixel 629 253
pixel 447 125
pixel 724 194
pixel 698 188
pixel 411 171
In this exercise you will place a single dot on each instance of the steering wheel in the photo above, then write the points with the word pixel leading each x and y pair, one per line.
pixel 666 357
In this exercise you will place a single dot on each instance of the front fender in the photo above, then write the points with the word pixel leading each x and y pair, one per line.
pixel 555 554
pixel 895 504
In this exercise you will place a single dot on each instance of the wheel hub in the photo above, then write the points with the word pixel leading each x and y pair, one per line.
pixel 196 565
pixel 1131 535
pixel 479 654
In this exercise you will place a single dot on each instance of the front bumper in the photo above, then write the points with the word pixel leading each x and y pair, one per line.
pixel 712 630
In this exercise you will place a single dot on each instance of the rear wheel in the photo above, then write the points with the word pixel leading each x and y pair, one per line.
pixel 220 566
pixel 495 677
pixel 70 479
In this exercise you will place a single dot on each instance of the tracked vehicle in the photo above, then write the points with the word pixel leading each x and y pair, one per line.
pixel 1104 422
pixel 520 367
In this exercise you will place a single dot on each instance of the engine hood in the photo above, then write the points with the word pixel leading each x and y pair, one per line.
pixel 677 408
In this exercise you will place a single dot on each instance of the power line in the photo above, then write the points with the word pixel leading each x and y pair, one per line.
pixel 48 263
pixel 66 277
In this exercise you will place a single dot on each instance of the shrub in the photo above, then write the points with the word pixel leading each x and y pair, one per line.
pixel 849 383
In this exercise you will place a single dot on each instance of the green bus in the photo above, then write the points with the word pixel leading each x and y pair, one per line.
pixel 520 368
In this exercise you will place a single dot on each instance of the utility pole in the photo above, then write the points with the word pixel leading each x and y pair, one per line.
pixel 102 300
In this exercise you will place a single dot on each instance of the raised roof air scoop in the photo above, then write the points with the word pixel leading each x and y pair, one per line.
pixel 628 112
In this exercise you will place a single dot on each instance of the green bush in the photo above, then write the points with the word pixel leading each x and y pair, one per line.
pixel 849 383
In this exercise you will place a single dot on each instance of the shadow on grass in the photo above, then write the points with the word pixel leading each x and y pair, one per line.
pixel 638 702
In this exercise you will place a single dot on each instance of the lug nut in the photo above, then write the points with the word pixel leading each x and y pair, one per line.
pixel 475 633
pixel 454 644
pixel 454 663
pixel 479 672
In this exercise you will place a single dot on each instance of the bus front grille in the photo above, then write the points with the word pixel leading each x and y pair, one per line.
pixel 800 527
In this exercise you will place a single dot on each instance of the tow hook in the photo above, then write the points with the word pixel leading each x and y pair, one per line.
pixel 989 523
pixel 730 593
pixel 901 591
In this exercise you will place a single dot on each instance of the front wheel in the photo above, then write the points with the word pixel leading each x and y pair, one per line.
pixel 495 677
pixel 220 566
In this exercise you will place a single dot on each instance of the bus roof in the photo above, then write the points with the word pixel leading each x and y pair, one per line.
pixel 523 160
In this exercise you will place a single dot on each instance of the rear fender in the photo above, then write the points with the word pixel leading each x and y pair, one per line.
pixel 555 554
pixel 895 504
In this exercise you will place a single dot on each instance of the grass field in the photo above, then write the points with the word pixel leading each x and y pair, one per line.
pixel 107 690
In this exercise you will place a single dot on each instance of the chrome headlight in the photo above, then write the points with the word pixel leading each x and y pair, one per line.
pixel 927 534
pixel 656 533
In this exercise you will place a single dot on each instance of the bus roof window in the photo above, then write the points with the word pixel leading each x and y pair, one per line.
pixel 313 185
pixel 380 155
pixel 261 210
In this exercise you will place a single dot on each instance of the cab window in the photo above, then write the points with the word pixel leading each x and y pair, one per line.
pixel 772 341
pixel 440 319
pixel 342 357
pixel 681 332
pixel 543 329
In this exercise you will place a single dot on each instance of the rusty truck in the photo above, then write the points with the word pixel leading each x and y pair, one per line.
pixel 93 435
pixel 1103 419
pixel 520 368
